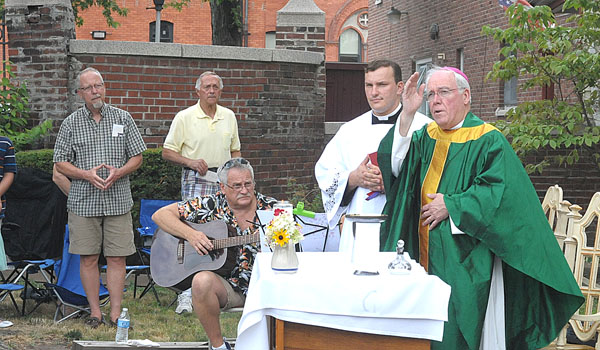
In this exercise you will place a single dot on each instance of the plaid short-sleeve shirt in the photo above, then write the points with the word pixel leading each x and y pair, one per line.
pixel 86 144
pixel 8 164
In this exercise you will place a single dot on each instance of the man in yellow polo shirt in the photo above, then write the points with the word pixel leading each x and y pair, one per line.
pixel 201 139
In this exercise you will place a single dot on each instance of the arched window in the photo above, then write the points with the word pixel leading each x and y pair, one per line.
pixel 166 31
pixel 350 46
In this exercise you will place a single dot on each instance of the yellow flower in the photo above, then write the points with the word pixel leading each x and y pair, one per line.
pixel 281 237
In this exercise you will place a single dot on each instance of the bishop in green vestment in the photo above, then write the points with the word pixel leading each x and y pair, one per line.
pixel 460 199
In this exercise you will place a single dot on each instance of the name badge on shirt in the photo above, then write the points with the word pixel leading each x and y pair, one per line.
pixel 118 130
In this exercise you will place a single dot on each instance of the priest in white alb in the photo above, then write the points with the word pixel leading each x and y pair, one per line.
pixel 349 179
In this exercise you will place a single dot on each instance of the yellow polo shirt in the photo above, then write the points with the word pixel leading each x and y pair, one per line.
pixel 195 135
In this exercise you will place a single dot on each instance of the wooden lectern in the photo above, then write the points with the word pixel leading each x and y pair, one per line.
pixel 297 336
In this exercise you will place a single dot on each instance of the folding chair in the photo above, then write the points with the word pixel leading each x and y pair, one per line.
pixel 7 289
pixel 18 279
pixel 68 288
pixel 147 229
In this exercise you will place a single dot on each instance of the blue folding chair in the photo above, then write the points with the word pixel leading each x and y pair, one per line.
pixel 68 288
pixel 19 280
pixel 148 227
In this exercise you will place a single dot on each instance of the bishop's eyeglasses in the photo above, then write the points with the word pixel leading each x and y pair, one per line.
pixel 442 93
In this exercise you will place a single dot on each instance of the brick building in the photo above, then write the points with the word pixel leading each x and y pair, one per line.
pixel 448 33
pixel 345 20
pixel 278 95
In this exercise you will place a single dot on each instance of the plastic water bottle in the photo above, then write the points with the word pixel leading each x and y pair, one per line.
pixel 123 327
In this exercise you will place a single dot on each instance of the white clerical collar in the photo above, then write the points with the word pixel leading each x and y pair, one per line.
pixel 459 125
pixel 387 116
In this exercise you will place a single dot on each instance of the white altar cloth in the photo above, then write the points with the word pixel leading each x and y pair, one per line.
pixel 324 292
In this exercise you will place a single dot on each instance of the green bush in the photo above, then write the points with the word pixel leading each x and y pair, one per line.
pixel 39 159
pixel 309 195
pixel 159 179
pixel 156 178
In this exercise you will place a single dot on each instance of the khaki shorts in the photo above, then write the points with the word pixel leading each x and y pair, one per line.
pixel 112 235
pixel 234 298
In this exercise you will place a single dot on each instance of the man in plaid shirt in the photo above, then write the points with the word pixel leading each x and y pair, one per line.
pixel 97 147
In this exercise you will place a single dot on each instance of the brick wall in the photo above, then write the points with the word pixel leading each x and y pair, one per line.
pixel 460 23
pixel 278 96
pixel 192 24
pixel 279 106
pixel 579 182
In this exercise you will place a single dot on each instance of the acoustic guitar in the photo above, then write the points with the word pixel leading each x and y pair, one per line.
pixel 173 259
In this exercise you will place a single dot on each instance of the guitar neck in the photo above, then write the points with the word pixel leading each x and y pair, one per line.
pixel 235 241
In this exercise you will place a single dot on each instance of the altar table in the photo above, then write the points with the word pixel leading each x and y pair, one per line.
pixel 325 293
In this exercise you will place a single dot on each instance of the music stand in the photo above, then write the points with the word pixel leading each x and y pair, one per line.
pixel 263 216
pixel 310 225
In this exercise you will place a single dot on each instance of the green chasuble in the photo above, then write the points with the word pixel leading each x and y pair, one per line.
pixel 491 199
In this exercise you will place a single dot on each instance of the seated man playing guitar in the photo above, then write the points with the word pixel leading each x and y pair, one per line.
pixel 236 204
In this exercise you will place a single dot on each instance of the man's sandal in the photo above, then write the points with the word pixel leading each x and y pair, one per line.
pixel 94 322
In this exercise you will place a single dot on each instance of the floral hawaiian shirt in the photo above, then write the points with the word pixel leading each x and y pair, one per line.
pixel 215 207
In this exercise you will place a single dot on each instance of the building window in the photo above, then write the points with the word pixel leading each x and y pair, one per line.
pixel 460 58
pixel 166 31
pixel 270 40
pixel 424 63
pixel 510 90
pixel 350 46
pixel 363 20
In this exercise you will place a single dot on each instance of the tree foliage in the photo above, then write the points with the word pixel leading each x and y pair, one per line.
pixel 543 53
pixel 14 112
pixel 109 7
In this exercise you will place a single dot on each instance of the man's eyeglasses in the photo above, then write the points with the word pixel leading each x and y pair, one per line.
pixel 89 88
pixel 443 93
pixel 238 187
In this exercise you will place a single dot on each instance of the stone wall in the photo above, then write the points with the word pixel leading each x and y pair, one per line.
pixel 277 95
pixel 38 48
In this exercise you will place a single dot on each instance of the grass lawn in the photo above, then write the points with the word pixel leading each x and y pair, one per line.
pixel 149 320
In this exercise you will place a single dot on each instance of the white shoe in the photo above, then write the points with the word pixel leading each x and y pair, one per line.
pixel 184 303
pixel 4 324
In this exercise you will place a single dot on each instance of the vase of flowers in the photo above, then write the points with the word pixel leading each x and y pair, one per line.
pixel 282 235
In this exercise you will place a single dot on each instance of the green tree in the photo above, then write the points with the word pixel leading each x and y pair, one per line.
pixel 564 57
pixel 109 7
